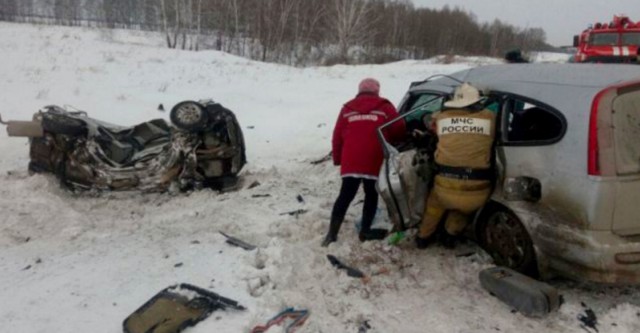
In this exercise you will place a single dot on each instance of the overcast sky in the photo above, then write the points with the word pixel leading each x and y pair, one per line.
pixel 560 19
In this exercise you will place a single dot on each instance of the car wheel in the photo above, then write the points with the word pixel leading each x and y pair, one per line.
pixel 506 239
pixel 189 116
pixel 63 124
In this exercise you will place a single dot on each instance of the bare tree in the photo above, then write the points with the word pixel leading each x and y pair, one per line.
pixel 293 31
pixel 350 23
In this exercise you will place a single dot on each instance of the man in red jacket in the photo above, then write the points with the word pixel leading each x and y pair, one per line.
pixel 358 152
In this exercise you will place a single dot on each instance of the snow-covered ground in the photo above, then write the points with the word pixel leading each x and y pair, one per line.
pixel 78 263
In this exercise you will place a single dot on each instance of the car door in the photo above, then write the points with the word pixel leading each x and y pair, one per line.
pixel 400 184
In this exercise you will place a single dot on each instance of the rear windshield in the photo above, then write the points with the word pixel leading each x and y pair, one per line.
pixel 631 38
pixel 604 39
pixel 627 132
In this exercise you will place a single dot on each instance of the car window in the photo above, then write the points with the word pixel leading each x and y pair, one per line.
pixel 493 106
pixel 530 123
pixel 424 105
pixel 604 39
pixel 626 118
pixel 631 38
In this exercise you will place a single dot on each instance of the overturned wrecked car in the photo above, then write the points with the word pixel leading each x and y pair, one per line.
pixel 567 156
pixel 204 148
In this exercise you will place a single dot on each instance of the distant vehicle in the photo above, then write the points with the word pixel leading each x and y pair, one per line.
pixel 515 57
pixel 204 148
pixel 614 42
pixel 567 167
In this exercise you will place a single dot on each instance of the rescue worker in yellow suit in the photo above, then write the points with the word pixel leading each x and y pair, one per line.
pixel 463 157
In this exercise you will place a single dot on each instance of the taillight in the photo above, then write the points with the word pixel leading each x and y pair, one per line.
pixel 593 162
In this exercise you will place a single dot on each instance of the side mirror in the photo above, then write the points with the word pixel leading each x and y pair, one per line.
pixel 522 189
pixel 576 41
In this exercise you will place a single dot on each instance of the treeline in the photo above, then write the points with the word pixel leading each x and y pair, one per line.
pixel 293 31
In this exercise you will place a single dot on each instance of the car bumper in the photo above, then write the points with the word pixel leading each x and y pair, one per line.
pixel 588 255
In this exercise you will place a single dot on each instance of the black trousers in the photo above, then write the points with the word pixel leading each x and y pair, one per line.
pixel 348 191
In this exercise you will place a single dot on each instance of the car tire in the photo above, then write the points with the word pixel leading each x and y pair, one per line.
pixel 189 116
pixel 507 241
pixel 62 124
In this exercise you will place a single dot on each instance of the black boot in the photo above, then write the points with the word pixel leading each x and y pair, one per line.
pixel 328 239
pixel 332 235
pixel 423 243
pixel 365 227
pixel 373 234
pixel 447 241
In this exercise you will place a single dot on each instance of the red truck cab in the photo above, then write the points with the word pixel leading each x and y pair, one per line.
pixel 614 42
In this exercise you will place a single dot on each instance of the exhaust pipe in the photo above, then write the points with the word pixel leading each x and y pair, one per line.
pixel 30 129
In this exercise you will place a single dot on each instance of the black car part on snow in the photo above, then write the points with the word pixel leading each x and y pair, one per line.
pixel 528 296
pixel 175 308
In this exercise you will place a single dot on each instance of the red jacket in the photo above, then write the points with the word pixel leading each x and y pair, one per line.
pixel 356 147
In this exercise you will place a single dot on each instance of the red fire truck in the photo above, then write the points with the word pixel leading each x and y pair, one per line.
pixel 616 41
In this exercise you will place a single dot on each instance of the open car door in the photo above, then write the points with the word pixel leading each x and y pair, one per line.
pixel 403 179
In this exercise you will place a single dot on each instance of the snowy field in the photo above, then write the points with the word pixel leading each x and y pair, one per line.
pixel 77 263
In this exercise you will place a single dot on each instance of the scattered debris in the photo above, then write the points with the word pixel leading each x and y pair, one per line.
pixel 26 240
pixel 176 308
pixel 27 268
pixel 530 297
pixel 295 212
pixel 261 195
pixel 322 160
pixel 238 242
pixel 298 318
pixel 588 319
pixel 254 184
pixel 352 272
pixel 38 261
pixel 465 254
pixel 251 127
pixel 300 198
pixel 364 327
pixel 322 125
pixel 195 242
pixel 161 108
pixel 178 265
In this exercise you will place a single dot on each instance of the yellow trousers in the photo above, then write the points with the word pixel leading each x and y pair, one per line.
pixel 460 197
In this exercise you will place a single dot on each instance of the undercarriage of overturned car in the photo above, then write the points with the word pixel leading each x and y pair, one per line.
pixel 204 148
